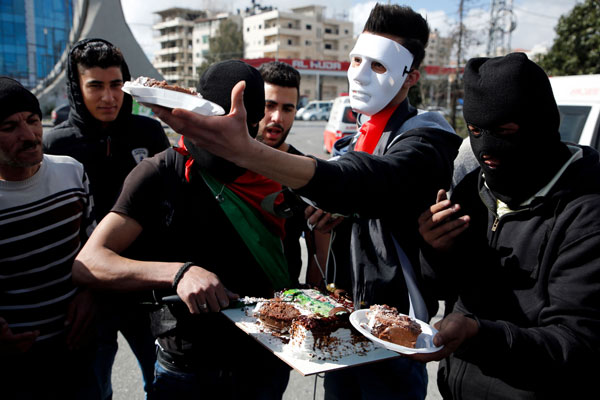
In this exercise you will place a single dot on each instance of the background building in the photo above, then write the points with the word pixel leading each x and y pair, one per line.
pixel 206 28
pixel 36 36
pixel 175 59
pixel 33 35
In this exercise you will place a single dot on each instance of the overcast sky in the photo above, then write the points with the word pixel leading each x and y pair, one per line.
pixel 536 19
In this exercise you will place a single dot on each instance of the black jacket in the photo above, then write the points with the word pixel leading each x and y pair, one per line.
pixel 532 279
pixel 383 194
pixel 108 155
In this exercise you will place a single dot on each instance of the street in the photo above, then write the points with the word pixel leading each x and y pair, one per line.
pixel 307 136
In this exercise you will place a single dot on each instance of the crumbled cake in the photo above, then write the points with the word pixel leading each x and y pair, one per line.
pixel 387 324
pixel 151 82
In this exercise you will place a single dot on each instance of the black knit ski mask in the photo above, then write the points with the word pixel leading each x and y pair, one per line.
pixel 513 89
pixel 216 85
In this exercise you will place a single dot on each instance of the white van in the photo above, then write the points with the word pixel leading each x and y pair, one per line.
pixel 578 99
pixel 312 107
pixel 342 122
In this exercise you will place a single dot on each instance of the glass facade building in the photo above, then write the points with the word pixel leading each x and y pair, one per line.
pixel 33 36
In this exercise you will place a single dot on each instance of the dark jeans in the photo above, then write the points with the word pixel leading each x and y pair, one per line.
pixel 399 378
pixel 264 383
pixel 133 322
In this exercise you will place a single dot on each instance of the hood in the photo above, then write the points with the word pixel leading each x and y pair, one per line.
pixel 581 176
pixel 79 114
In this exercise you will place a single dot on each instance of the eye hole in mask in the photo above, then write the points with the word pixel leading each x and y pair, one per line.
pixel 502 131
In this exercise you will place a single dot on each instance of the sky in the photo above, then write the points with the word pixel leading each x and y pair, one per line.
pixel 535 19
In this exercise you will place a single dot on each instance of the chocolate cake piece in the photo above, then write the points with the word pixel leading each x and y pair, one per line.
pixel 387 324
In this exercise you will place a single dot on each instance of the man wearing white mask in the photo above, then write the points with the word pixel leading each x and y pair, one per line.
pixel 398 161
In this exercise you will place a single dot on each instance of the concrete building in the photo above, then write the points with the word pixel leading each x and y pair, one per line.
pixel 175 59
pixel 439 50
pixel 206 28
pixel 317 46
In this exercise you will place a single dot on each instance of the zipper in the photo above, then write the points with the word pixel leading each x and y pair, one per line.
pixel 495 224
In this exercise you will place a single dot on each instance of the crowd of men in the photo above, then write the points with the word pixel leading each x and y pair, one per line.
pixel 101 221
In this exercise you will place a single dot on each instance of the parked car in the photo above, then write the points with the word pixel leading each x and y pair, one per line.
pixel 60 114
pixel 341 123
pixel 319 114
pixel 313 107
pixel 578 99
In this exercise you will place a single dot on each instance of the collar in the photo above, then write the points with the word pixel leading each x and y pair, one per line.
pixel 576 154
pixel 371 130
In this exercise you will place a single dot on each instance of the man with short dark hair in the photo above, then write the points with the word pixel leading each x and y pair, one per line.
pixel 383 185
pixel 517 248
pixel 109 141
pixel 45 216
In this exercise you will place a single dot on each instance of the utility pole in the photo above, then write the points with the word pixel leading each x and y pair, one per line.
pixel 502 23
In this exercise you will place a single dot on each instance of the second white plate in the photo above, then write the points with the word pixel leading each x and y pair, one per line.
pixel 360 321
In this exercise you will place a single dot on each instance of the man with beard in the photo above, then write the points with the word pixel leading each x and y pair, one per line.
pixel 191 223
pixel 109 141
pixel 45 215
pixel 383 185
pixel 517 248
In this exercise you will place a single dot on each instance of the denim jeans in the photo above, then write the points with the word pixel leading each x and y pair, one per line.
pixel 171 382
pixel 134 324
pixel 399 378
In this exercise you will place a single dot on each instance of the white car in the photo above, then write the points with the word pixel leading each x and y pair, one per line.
pixel 315 110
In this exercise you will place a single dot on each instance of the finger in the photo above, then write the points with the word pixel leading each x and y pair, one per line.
pixel 212 303
pixel 308 211
pixel 237 100
pixel 223 297
pixel 441 195
pixel 231 295
pixel 315 218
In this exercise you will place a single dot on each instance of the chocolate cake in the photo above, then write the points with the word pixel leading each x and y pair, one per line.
pixel 321 329
pixel 387 324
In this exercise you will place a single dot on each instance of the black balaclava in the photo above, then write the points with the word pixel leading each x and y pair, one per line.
pixel 513 89
pixel 14 98
pixel 216 85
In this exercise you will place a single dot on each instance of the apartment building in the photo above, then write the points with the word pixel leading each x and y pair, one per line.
pixel 204 29
pixel 175 59
pixel 314 44
pixel 439 50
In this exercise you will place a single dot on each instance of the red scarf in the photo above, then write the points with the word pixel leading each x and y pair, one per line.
pixel 371 131
pixel 251 187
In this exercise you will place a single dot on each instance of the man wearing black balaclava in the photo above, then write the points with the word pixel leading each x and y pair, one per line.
pixel 190 223
pixel 517 247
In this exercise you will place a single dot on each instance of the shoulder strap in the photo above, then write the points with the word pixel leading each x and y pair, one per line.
pixel 265 246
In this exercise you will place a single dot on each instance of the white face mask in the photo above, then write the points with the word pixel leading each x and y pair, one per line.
pixel 370 91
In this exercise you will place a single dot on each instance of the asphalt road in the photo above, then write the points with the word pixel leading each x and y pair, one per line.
pixel 126 376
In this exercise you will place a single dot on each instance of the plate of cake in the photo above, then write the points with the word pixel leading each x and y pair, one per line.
pixel 307 329
pixel 152 91
pixel 397 332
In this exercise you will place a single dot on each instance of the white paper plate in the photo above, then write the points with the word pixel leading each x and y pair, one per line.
pixel 360 321
pixel 172 99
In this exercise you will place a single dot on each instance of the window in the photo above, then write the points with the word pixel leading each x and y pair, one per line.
pixel 328 46
pixel 328 30
pixel 307 43
pixel 308 27
pixel 572 120
pixel 204 39
pixel 290 42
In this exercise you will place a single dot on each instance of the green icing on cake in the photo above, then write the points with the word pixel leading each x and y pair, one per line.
pixel 311 300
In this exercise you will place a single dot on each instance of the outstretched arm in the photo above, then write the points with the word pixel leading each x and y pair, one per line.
pixel 227 136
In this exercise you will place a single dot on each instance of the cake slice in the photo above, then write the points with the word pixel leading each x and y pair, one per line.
pixel 387 324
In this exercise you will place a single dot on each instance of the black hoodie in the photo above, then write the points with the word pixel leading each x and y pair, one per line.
pixel 531 277
pixel 108 154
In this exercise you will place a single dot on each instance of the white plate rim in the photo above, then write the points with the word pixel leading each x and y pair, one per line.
pixel 358 317
pixel 172 99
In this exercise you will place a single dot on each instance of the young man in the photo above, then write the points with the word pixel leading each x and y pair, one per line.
pixel 109 141
pixel 518 247
pixel 382 186
pixel 45 215
pixel 189 222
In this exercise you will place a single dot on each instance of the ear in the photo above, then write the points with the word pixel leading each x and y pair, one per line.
pixel 412 78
